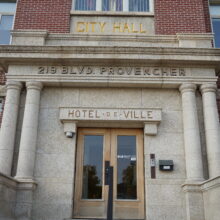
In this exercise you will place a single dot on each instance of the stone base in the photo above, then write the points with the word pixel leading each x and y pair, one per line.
pixel 203 199
pixel 7 197
pixel 15 198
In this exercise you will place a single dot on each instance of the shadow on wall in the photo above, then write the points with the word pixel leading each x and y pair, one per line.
pixel 218 95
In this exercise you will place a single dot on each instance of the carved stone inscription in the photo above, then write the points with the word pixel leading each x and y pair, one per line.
pixel 110 114
pixel 112 71
pixel 102 27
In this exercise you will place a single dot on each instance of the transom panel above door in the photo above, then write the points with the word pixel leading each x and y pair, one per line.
pixel 124 149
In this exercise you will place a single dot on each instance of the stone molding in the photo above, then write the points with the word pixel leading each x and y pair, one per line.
pixel 13 85
pixel 195 36
pixel 147 39
pixel 208 87
pixel 39 37
pixel 26 184
pixel 201 186
pixel 17 184
pixel 112 13
pixel 195 40
pixel 34 85
pixel 187 87
pixel 191 187
pixel 29 33
pixel 211 184
pixel 8 181
pixel 8 50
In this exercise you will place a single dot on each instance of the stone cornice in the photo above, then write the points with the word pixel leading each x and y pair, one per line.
pixel 115 50
pixel 153 55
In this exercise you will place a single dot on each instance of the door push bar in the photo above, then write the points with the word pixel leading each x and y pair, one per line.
pixel 109 182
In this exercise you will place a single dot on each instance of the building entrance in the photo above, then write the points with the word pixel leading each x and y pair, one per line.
pixel 124 149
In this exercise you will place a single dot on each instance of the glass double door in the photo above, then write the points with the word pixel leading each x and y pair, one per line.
pixel 124 149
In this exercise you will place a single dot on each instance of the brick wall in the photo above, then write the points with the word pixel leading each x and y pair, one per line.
pixel 171 16
pixel 182 16
pixel 51 15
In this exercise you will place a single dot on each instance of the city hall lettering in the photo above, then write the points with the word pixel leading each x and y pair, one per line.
pixel 100 27
pixel 110 114
pixel 111 71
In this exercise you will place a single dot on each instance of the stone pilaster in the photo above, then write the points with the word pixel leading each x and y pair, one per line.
pixel 8 127
pixel 212 128
pixel 26 159
pixel 193 155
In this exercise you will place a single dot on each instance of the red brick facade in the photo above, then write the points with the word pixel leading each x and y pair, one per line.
pixel 182 16
pixel 171 16
pixel 51 15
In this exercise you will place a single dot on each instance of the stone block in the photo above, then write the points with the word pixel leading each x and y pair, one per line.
pixel 171 122
pixel 53 192
pixel 165 143
pixel 42 211
pixel 165 212
pixel 164 195
pixel 49 120
pixel 50 98
pixel 54 165
pixel 108 98
pixel 54 142
pixel 23 211
pixel 165 99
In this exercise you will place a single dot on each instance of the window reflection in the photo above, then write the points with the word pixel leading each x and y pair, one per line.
pixel 216 30
pixel 112 5
pixel 126 167
pixel 85 5
pixel 92 167
pixel 138 5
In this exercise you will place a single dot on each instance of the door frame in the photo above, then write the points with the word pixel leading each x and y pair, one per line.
pixel 110 153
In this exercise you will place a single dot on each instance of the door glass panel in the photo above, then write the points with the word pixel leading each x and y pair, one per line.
pixel 92 167
pixel 126 167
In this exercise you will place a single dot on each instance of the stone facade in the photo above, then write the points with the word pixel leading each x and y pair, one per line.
pixel 108 75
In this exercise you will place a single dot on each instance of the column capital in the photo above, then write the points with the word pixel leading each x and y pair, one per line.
pixel 13 85
pixel 34 85
pixel 187 87
pixel 208 87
